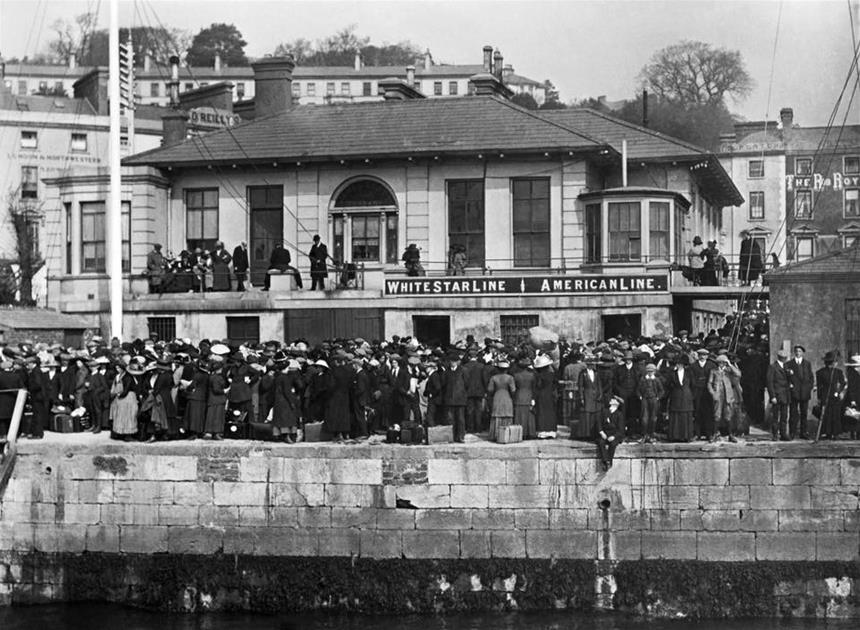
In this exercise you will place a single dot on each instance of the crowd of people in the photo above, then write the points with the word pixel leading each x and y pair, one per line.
pixel 648 389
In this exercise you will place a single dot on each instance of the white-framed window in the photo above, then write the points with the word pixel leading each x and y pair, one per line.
pixel 155 89
pixel 755 169
pixel 849 239
pixel 803 204
pixel 452 88
pixel 803 166
pixel 344 88
pixel 296 88
pixel 851 165
pixel 437 88
pixel 329 88
pixel 367 88
pixel 29 139
pixel 851 207
pixel 804 247
pixel 312 88
pixel 240 89
pixel 756 205
pixel 625 231
pixel 365 223
pixel 79 143
pixel 29 182
pixel 659 230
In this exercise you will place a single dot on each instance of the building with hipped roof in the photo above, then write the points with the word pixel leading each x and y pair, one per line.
pixel 554 232
pixel 312 85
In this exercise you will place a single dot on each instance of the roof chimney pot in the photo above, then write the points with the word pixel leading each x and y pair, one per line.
pixel 498 64
pixel 428 60
pixel 410 75
pixel 488 59
pixel 357 62
pixel 217 61
pixel 273 85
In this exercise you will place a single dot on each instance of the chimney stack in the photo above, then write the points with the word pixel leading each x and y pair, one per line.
pixel 357 64
pixel 93 86
pixel 488 59
pixel 173 85
pixel 174 126
pixel 786 116
pixel 498 61
pixel 507 71
pixel 273 85
pixel 147 61
pixel 394 89
pixel 217 61
pixel 428 60
pixel 73 62
pixel 410 75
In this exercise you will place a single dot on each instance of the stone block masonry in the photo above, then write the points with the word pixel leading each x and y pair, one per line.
pixel 524 503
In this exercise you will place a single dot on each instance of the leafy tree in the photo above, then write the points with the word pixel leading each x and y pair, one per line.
pixel 552 100
pixel 23 215
pixel 218 38
pixel 696 73
pixel 160 42
pixel 698 123
pixel 300 49
pixel 524 99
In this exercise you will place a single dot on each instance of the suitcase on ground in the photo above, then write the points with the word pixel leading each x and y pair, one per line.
pixel 511 434
pixel 562 432
pixel 236 426
pixel 64 423
pixel 313 432
pixel 413 434
pixel 261 431
pixel 392 436
pixel 440 435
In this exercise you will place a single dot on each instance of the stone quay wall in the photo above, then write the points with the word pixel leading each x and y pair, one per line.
pixel 474 508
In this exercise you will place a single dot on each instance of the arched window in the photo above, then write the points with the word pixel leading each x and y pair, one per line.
pixel 363 213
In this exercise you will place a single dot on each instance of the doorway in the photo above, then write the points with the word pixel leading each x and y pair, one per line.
pixel 267 229
pixel 627 325
pixel 434 330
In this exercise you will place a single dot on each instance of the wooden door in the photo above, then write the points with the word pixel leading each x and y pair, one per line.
pixel 267 229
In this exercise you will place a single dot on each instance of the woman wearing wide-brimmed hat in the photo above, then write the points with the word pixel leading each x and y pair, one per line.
pixel 216 401
pixel 830 383
pixel 546 421
pixel 524 380
pixel 124 404
pixel 502 389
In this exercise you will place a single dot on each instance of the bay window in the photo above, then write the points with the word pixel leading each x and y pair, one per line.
pixel 625 237
pixel 659 230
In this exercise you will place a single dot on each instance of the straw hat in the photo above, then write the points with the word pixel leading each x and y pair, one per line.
pixel 854 361
pixel 542 360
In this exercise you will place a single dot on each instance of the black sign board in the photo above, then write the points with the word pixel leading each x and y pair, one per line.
pixel 528 285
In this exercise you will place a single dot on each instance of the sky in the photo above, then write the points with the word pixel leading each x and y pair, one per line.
pixel 798 52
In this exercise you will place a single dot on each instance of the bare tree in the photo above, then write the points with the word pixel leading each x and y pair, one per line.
pixel 24 216
pixel 72 38
pixel 696 73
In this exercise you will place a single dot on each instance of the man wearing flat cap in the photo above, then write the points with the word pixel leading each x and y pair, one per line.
pixel 779 392
pixel 801 383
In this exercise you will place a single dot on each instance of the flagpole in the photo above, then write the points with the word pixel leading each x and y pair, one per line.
pixel 114 210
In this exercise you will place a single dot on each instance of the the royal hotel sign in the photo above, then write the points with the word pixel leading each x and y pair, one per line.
pixel 528 285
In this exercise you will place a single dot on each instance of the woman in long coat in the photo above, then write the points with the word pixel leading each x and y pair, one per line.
pixel 544 393
pixel 287 409
pixel 338 415
pixel 124 404
pixel 216 403
pixel 197 391
pixel 502 388
pixel 680 405
pixel 524 380
pixel 830 381
pixel 852 394
pixel 593 403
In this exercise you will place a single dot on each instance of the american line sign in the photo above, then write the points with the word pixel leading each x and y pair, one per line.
pixel 527 285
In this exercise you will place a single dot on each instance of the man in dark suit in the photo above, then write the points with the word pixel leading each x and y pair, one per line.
pixel 240 265
pixel 703 412
pixel 359 399
pixel 476 388
pixel 318 256
pixel 779 392
pixel 625 381
pixel 279 261
pixel 454 397
pixel 801 382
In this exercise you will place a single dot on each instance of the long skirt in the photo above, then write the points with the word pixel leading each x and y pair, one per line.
pixel 680 426
pixel 215 418
pixel 497 423
pixel 831 419
pixel 124 415
pixel 570 404
pixel 524 417
pixel 587 428
pixel 195 416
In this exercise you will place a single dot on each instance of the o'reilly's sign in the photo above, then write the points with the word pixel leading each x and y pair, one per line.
pixel 527 285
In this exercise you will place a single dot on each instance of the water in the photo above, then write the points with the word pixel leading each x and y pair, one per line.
pixel 111 617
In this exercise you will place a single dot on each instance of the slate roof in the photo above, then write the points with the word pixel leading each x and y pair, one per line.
pixel 45 104
pixel 642 143
pixel 38 319
pixel 832 264
pixel 429 127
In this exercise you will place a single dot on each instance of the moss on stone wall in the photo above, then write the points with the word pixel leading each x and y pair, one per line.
pixel 193 583
pixel 667 588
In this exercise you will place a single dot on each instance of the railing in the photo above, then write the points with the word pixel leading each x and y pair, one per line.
pixel 10 444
